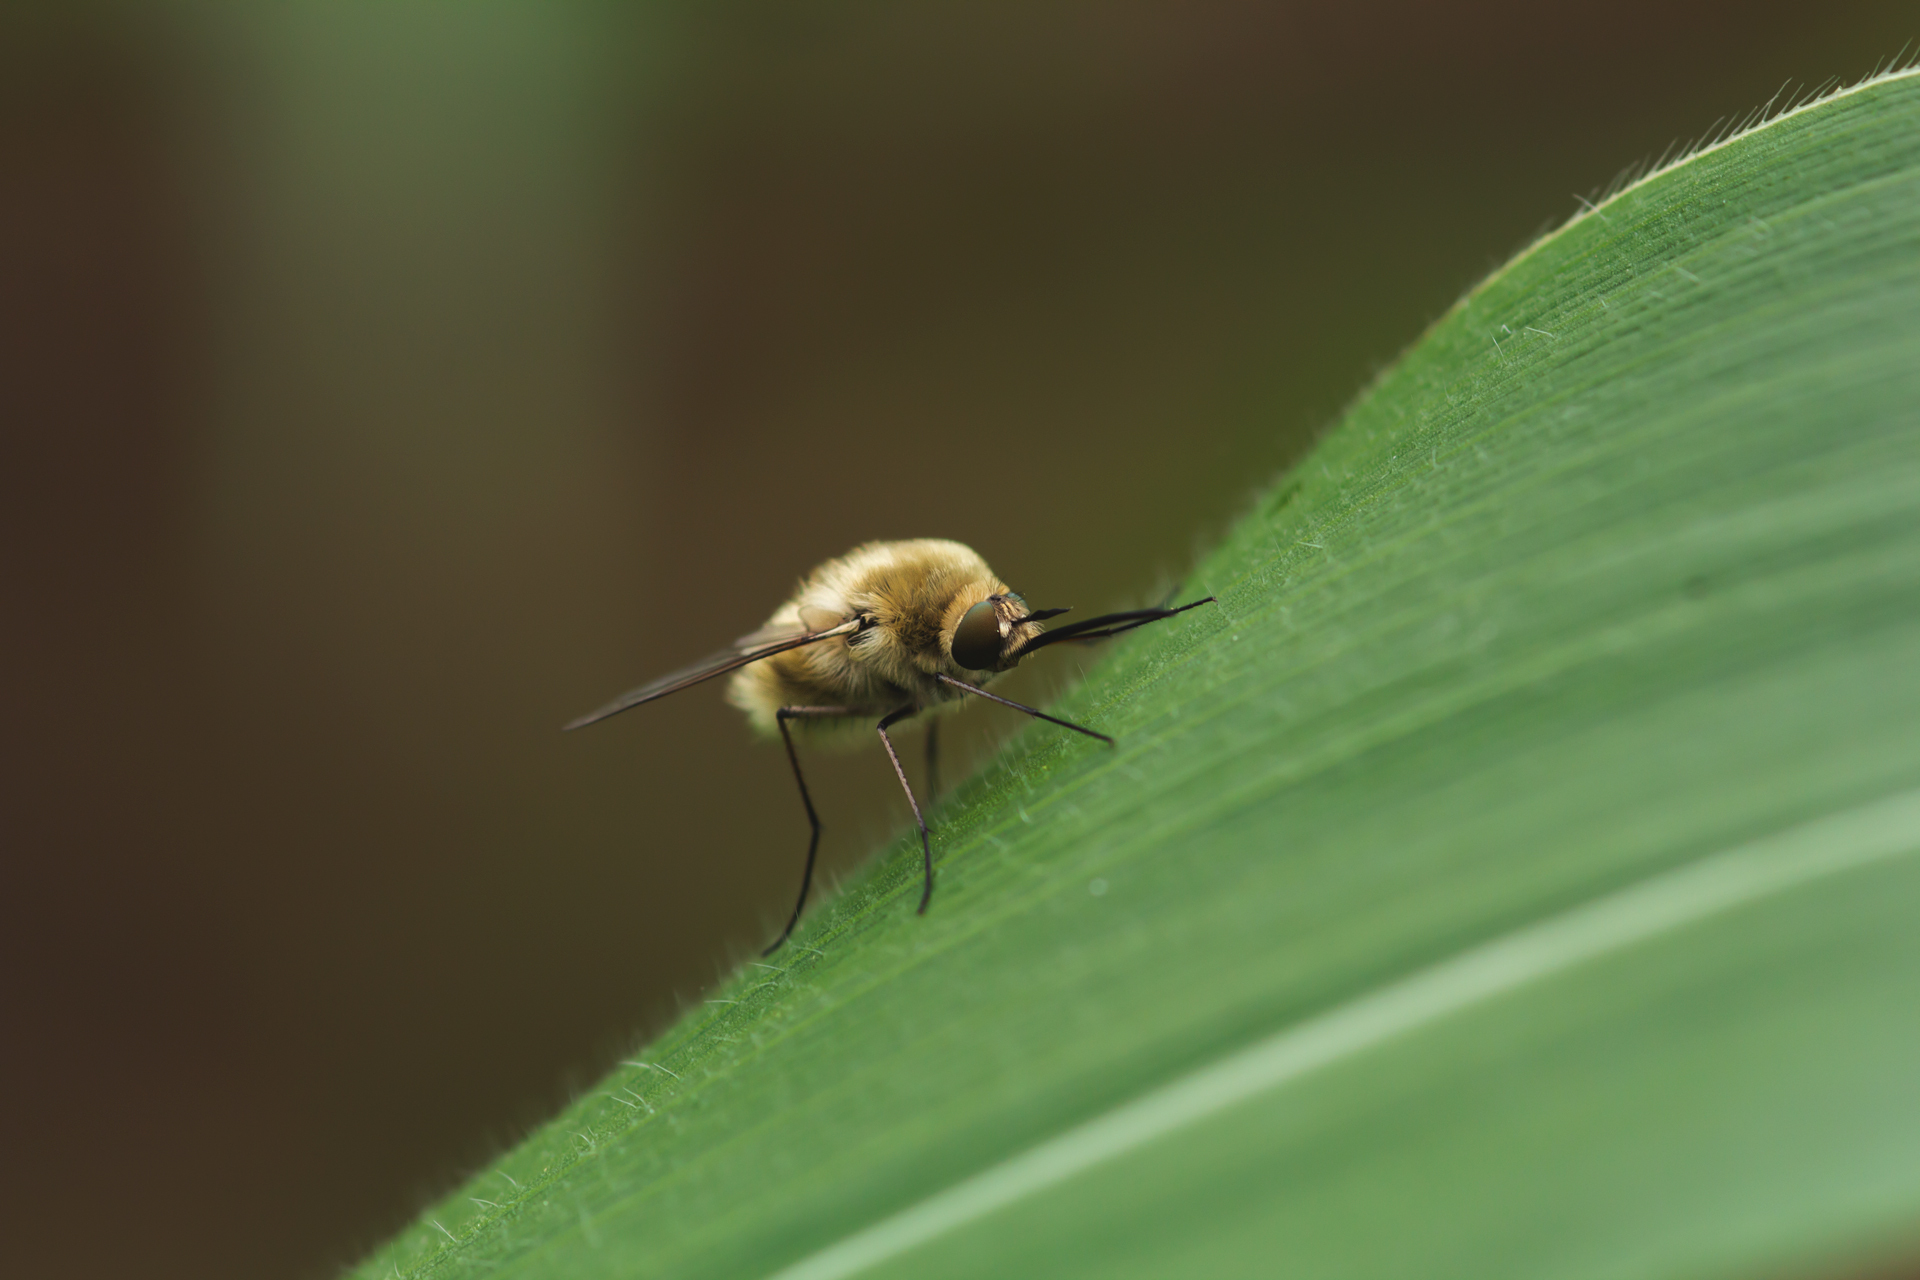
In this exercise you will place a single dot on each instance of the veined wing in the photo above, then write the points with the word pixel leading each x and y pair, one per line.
pixel 749 648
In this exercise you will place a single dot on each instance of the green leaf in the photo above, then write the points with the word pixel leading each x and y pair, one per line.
pixel 1514 874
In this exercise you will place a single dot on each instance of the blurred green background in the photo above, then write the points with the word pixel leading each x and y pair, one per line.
pixel 382 385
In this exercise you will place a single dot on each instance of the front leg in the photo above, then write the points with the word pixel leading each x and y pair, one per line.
pixel 1035 712
pixel 926 847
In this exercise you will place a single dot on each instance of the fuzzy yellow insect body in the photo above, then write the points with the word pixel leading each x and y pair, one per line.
pixel 884 633
pixel 915 595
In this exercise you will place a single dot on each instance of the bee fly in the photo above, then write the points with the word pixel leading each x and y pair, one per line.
pixel 885 632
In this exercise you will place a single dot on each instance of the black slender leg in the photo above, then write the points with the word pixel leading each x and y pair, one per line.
pixel 1035 712
pixel 780 718
pixel 926 847
pixel 933 763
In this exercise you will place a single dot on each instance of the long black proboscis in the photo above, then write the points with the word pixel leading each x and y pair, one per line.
pixel 1107 624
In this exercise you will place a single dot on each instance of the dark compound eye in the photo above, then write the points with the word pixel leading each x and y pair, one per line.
pixel 977 640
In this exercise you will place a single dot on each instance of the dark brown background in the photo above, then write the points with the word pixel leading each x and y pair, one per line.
pixel 382 385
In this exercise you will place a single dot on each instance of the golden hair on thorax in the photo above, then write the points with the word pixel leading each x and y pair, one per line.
pixel 916 594
pixel 886 632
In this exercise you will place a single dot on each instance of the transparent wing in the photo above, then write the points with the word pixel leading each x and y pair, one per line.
pixel 813 621
pixel 763 643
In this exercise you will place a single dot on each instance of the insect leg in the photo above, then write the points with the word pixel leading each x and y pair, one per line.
pixel 1035 712
pixel 780 718
pixel 926 848
pixel 933 761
